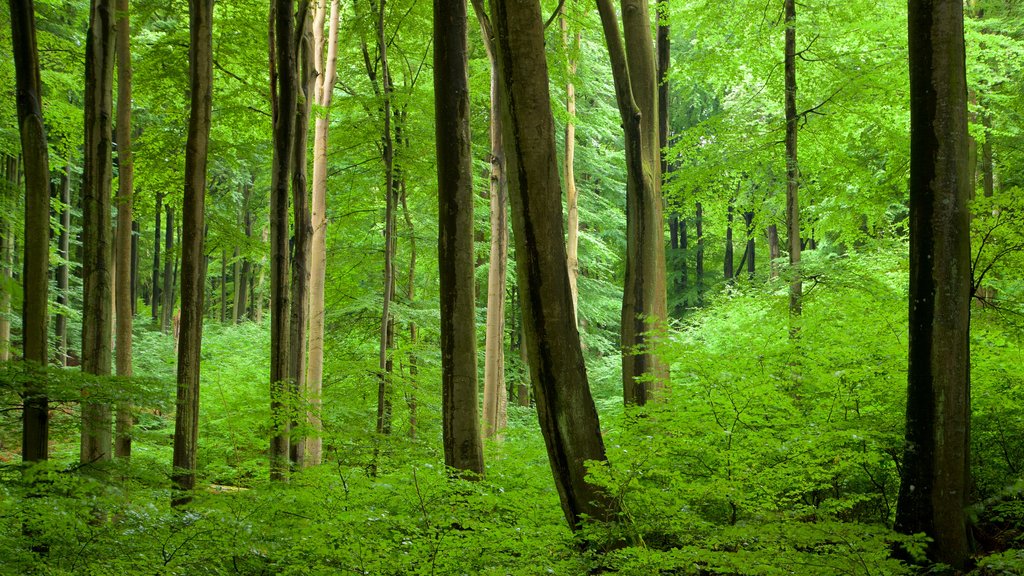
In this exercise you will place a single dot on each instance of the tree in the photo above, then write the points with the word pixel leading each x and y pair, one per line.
pixel 792 167
pixel 123 242
pixel 96 184
pixel 569 168
pixel 565 408
pixel 935 479
pixel 323 92
pixel 644 305
pixel 193 262
pixel 462 448
pixel 35 418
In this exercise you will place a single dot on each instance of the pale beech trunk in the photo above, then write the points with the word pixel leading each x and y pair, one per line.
pixel 193 268
pixel 156 294
pixel 63 253
pixel 35 277
pixel 283 79
pixel 242 266
pixel 644 308
pixel 123 247
pixel 569 168
pixel 410 294
pixel 935 480
pixel 170 260
pixel 495 392
pixel 773 249
pixel 7 258
pixel 96 229
pixel 461 425
pixel 565 408
pixel 323 92
pixel 299 315
pixel 792 167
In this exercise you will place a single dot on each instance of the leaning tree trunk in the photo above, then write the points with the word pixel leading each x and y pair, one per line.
pixel 283 78
pixel 565 408
pixel 123 246
pixel 462 448
pixel 935 480
pixel 193 269
pixel 792 167
pixel 96 229
pixel 35 337
pixel 323 92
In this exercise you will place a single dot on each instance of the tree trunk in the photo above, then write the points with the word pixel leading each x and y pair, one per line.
pixel 64 255
pixel 35 278
pixel 169 263
pixel 699 269
pixel 156 294
pixel 7 258
pixel 135 267
pixel 96 229
pixel 565 408
pixel 410 294
pixel 571 195
pixel 728 264
pixel 495 394
pixel 749 254
pixel 242 267
pixel 987 167
pixel 935 480
pixel 644 311
pixel 462 448
pixel 773 249
pixel 299 316
pixel 792 167
pixel 223 312
pixel 193 268
pixel 123 247
pixel 323 92
pixel 284 80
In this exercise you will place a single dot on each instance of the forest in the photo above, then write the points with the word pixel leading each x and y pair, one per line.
pixel 719 288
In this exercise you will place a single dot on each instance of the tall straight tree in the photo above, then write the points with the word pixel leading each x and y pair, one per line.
pixel 123 242
pixel 644 305
pixel 96 233
pixel 572 220
pixel 565 408
pixel 35 420
pixel 193 260
pixel 63 254
pixel 792 166
pixel 326 68
pixel 283 80
pixel 461 429
pixel 935 480
pixel 495 394
pixel 155 293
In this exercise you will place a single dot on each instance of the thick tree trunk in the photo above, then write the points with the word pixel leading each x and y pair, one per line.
pixel 462 448
pixel 792 167
pixel 35 277
pixel 156 294
pixel 644 308
pixel 565 408
pixel 303 230
pixel 170 261
pixel 284 79
pixel 123 247
pixel 64 255
pixel 935 481
pixel 96 229
pixel 323 92
pixel 193 268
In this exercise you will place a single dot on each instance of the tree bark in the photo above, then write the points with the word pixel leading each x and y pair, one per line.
pixel 773 249
pixel 284 80
pixel 792 167
pixel 749 254
pixel 35 277
pixel 242 266
pixel 728 264
pixel 644 308
pixel 565 408
pixel 64 255
pixel 123 247
pixel 96 229
pixel 156 294
pixel 935 480
pixel 462 447
pixel 167 309
pixel 571 195
pixel 323 92
pixel 135 267
pixel 193 268
pixel 7 258
pixel 699 266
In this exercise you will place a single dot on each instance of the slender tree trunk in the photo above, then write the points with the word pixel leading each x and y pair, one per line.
pixel 792 167
pixel 462 448
pixel 64 255
pixel 571 195
pixel 96 229
pixel 987 166
pixel 728 267
pixel 170 261
pixel 223 312
pixel 35 277
pixel 565 408
pixel 495 401
pixel 193 268
pixel 123 247
pixel 749 254
pixel 644 307
pixel 156 295
pixel 303 230
pixel 135 267
pixel 242 266
pixel 410 294
pixel 284 80
pixel 699 271
pixel 323 92
pixel 7 259
pixel 773 249
pixel 935 479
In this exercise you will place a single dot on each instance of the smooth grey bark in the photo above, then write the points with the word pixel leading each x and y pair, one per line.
pixel 123 243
